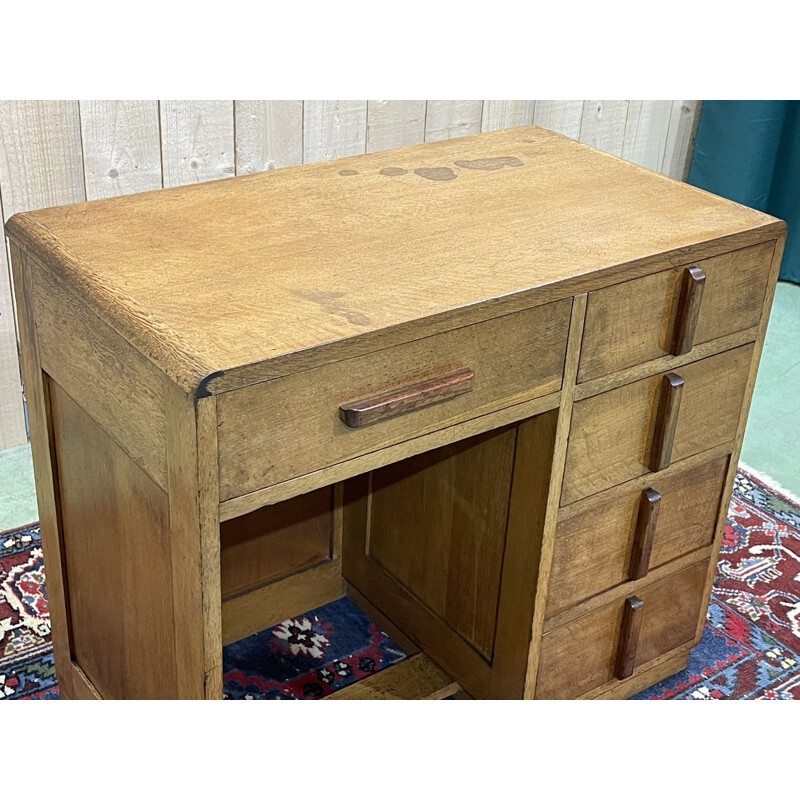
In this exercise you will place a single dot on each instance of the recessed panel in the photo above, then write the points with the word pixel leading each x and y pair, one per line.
pixel 117 560
pixel 276 541
pixel 438 526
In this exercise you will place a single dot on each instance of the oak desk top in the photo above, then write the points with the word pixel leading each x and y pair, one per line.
pixel 344 257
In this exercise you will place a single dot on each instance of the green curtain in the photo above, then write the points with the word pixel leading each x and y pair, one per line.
pixel 749 151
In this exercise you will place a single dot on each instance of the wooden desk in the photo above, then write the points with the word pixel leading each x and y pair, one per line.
pixel 495 387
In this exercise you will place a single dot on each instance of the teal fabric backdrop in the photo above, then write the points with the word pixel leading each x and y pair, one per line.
pixel 749 151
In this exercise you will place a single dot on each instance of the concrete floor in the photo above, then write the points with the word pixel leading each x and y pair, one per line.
pixel 772 439
pixel 771 443
pixel 17 491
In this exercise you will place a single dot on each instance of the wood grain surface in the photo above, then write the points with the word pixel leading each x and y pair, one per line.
pixel 637 321
pixel 328 244
pixel 119 584
pixel 612 433
pixel 276 541
pixel 582 655
pixel 596 549
pixel 438 526
pixel 277 430
pixel 632 614
pixel 646 519
pixel 405 399
pixel 669 409
pixel 416 678
pixel 691 297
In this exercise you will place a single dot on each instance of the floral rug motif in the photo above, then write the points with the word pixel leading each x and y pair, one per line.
pixel 308 657
pixel 750 647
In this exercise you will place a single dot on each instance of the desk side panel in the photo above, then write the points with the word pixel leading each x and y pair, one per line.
pixel 116 559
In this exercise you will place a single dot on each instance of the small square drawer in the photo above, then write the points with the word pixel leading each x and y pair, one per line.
pixel 284 428
pixel 669 312
pixel 623 538
pixel 645 425
pixel 609 643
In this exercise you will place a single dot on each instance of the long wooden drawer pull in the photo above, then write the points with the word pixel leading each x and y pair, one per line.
pixel 645 530
pixel 694 280
pixel 629 637
pixel 386 405
pixel 669 405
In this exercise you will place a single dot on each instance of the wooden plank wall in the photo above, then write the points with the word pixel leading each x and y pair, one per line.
pixel 64 151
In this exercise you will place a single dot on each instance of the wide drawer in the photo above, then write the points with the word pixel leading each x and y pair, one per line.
pixel 277 430
pixel 643 319
pixel 602 646
pixel 623 538
pixel 643 426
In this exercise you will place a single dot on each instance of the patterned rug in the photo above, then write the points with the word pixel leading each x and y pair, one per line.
pixel 750 648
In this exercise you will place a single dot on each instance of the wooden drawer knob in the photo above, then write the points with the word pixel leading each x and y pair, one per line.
pixel 669 405
pixel 694 280
pixel 629 637
pixel 378 407
pixel 645 530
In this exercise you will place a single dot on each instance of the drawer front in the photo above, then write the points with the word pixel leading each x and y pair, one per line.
pixel 590 651
pixel 280 429
pixel 637 428
pixel 640 320
pixel 622 539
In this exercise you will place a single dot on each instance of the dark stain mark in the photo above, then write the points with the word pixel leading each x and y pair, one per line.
pixel 393 171
pixel 491 163
pixel 330 303
pixel 348 172
pixel 436 173
pixel 356 318
pixel 202 387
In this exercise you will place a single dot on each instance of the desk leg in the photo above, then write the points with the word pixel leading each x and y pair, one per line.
pixel 194 531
